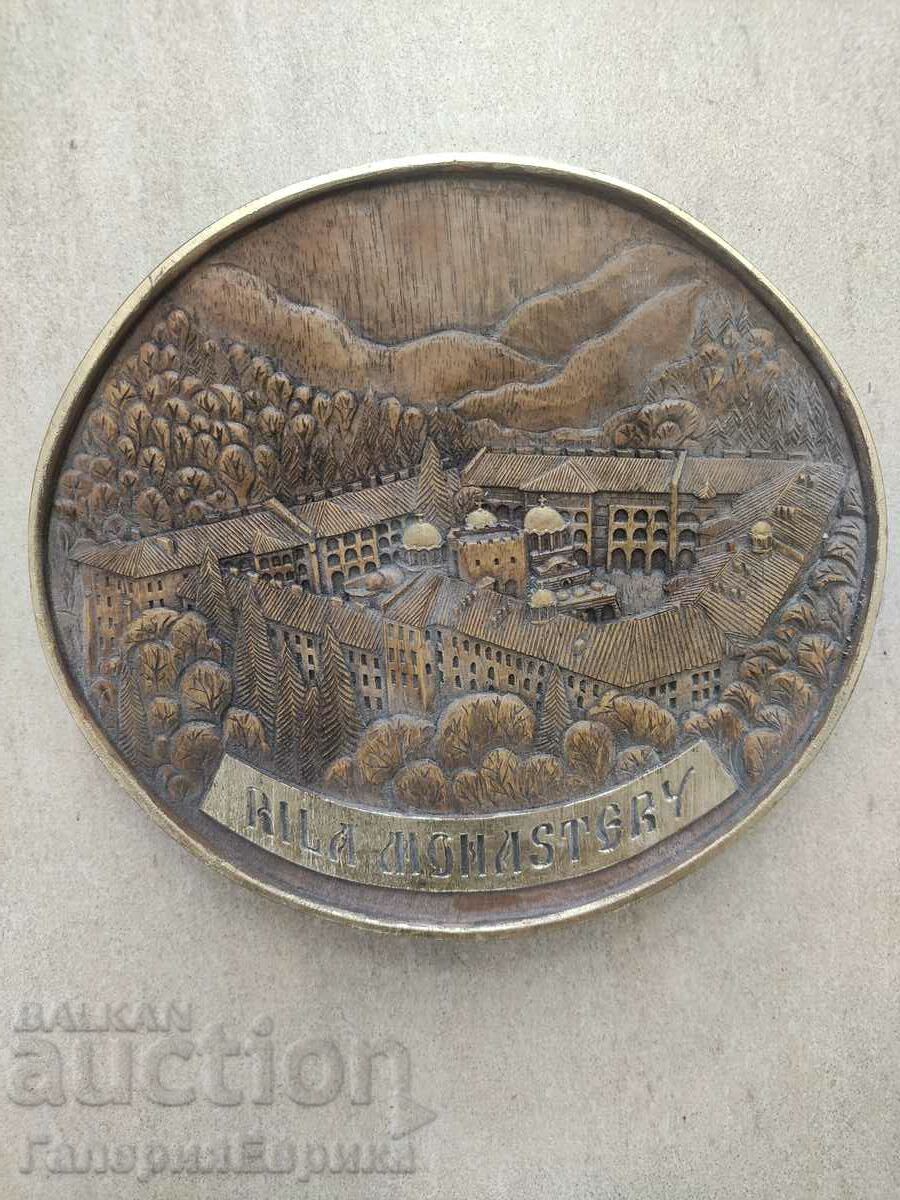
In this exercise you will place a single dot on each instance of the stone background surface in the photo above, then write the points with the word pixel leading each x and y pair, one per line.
pixel 733 1036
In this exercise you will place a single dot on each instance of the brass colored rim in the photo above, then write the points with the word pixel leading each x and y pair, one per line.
pixel 80 389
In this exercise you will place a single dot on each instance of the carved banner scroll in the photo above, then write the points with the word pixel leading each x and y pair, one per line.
pixel 467 853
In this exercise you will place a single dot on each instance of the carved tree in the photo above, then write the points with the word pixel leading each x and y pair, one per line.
pixel 211 598
pixel 309 748
pixel 555 716
pixel 288 716
pixel 254 661
pixel 435 495
pixel 340 719
pixel 134 738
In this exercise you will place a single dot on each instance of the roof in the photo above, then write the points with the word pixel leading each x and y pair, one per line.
pixel 624 653
pixel 556 474
pixel 730 476
pixel 269 524
pixel 292 606
pixel 740 590
pixel 747 588
pixel 365 507
pixel 428 598
pixel 796 503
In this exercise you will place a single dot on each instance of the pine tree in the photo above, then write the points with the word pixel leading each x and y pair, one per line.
pixel 255 668
pixel 211 598
pixel 435 495
pixel 134 734
pixel 309 749
pixel 288 716
pixel 556 715
pixel 340 721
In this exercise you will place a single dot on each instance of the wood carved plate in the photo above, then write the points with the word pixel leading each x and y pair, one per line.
pixel 457 545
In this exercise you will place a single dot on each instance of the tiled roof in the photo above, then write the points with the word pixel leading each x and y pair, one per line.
pixel 810 503
pixel 622 653
pixel 741 590
pixel 745 591
pixel 555 474
pixel 731 476
pixel 425 599
pixel 366 507
pixel 294 607
pixel 356 510
pixel 182 548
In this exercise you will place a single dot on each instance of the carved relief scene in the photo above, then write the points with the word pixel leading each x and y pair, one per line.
pixel 456 495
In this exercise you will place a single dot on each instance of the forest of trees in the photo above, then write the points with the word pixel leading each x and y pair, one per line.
pixel 783 679
pixel 736 391
pixel 187 428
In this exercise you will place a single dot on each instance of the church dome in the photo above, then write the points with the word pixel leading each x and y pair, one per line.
pixel 480 519
pixel 421 535
pixel 542 598
pixel 761 537
pixel 543 519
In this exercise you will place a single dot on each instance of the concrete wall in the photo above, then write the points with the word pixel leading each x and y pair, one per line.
pixel 732 1036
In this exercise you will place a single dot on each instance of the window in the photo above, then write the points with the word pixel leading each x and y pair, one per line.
pixel 378 681
pixel 349 539
pixel 457 681
pixel 365 681
pixel 393 676
pixel 511 680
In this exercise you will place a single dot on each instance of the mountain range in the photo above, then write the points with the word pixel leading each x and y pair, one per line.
pixel 570 355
